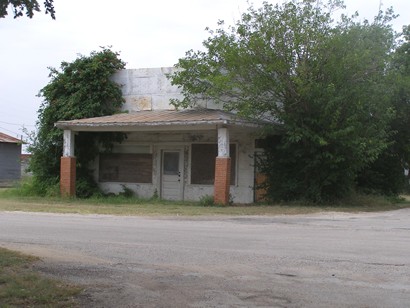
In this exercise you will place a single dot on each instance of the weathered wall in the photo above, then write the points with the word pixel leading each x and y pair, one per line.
pixel 149 89
pixel 10 169
pixel 242 191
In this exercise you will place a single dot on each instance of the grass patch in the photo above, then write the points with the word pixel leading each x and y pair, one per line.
pixel 21 286
pixel 122 205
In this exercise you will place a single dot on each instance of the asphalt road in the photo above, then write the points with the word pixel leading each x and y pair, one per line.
pixel 322 260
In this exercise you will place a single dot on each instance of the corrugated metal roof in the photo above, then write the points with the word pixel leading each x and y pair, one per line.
pixel 8 139
pixel 160 118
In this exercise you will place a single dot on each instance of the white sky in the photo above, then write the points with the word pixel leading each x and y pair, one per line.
pixel 151 33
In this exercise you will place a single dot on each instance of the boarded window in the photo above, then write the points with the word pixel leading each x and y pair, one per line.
pixel 203 163
pixel 126 168
pixel 260 178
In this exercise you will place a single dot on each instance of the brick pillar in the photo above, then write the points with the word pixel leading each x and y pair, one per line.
pixel 222 180
pixel 67 176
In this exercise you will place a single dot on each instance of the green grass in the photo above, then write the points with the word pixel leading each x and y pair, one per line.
pixel 9 201
pixel 21 286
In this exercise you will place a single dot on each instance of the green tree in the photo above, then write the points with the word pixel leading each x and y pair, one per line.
pixel 28 7
pixel 385 175
pixel 82 89
pixel 320 83
pixel 401 98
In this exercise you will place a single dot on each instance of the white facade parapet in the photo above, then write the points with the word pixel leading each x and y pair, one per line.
pixel 150 89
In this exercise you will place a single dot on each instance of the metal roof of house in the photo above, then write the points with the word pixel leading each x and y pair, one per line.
pixel 8 139
pixel 159 118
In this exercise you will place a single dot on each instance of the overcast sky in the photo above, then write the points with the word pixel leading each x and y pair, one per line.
pixel 152 33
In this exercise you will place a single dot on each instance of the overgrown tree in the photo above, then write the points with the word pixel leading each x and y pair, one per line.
pixel 28 7
pixel 81 89
pixel 386 174
pixel 320 83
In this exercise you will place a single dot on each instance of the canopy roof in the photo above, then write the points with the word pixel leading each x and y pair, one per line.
pixel 158 119
pixel 8 139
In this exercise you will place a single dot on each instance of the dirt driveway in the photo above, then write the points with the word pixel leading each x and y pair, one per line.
pixel 321 260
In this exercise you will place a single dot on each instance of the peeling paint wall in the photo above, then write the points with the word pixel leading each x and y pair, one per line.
pixel 242 192
pixel 150 89
pixel 146 89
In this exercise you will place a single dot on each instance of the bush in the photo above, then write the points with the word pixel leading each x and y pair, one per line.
pixel 385 176
pixel 86 188
pixel 33 186
pixel 126 192
pixel 207 200
pixel 155 195
pixel 53 190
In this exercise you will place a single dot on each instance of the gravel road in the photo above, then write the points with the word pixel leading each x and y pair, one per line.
pixel 321 260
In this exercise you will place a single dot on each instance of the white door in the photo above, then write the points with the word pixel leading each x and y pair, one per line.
pixel 171 175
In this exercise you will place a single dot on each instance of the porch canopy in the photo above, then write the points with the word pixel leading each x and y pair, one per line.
pixel 158 120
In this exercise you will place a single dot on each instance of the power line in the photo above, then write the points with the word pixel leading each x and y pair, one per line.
pixel 17 124
pixel 15 134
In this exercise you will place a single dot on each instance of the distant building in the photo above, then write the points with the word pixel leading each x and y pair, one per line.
pixel 10 167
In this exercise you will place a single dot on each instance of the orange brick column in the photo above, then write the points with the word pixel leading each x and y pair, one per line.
pixel 222 180
pixel 67 176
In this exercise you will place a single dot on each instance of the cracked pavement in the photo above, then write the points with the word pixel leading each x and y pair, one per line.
pixel 319 260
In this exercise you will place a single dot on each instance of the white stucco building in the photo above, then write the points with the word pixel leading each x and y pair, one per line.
pixel 176 154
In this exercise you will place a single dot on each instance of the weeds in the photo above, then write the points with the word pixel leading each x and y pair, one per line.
pixel 126 203
pixel 126 192
pixel 21 286
pixel 207 200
